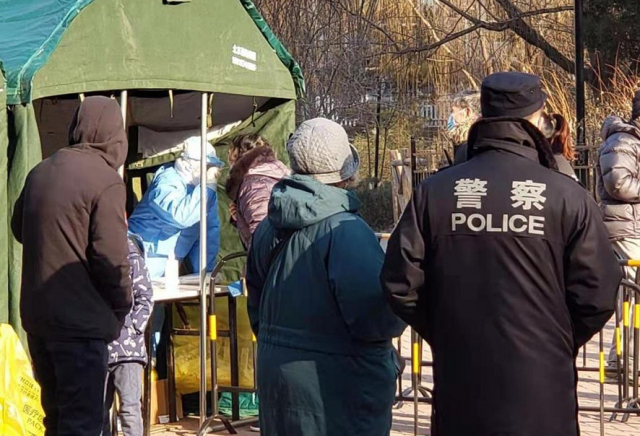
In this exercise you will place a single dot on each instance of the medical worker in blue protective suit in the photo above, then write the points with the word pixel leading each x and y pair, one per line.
pixel 168 221
pixel 168 217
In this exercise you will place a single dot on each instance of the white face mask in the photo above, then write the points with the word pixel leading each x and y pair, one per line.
pixel 451 122
pixel 540 124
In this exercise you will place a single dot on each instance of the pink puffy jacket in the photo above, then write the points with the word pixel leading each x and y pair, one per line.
pixel 249 185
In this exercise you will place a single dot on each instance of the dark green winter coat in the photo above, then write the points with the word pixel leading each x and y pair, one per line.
pixel 326 365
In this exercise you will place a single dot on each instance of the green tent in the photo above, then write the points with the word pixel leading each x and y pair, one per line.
pixel 4 235
pixel 164 53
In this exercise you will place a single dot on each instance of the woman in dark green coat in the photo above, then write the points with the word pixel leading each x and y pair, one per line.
pixel 326 365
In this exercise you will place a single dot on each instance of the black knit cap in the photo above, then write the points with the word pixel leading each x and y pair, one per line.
pixel 635 113
pixel 511 94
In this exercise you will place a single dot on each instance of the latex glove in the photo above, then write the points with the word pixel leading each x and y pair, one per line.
pixel 213 174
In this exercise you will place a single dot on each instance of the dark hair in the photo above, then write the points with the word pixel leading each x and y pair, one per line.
pixel 635 104
pixel 556 129
pixel 245 143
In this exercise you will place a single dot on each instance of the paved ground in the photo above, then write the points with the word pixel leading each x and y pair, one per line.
pixel 589 390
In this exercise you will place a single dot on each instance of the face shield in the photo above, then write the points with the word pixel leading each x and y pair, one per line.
pixel 188 164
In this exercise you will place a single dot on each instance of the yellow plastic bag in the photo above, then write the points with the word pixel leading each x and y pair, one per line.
pixel 20 411
pixel 187 349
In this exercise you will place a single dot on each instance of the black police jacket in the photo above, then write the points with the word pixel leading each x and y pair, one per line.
pixel 504 267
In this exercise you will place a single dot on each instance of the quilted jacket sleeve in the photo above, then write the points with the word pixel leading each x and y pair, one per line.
pixel 253 201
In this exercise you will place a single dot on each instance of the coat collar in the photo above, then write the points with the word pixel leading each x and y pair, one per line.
pixel 513 135
pixel 242 166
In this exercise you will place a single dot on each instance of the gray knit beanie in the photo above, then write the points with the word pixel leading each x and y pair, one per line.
pixel 320 148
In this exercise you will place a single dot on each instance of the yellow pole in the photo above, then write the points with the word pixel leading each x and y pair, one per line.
pixel 626 314
pixel 415 371
pixel 618 341
pixel 213 328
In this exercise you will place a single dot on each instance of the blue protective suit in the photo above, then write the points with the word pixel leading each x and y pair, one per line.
pixel 168 220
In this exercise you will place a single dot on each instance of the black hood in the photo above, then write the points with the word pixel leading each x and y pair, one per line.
pixel 515 135
pixel 97 127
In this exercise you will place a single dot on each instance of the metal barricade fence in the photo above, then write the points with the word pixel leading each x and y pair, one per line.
pixel 208 342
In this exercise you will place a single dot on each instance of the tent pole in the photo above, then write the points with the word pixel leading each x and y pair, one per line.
pixel 123 106
pixel 203 259
pixel 124 95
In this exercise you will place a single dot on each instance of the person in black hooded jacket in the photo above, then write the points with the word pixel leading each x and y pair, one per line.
pixel 76 289
pixel 506 270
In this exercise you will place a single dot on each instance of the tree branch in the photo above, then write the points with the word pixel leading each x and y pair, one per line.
pixel 515 23
pixel 500 26
pixel 479 24
pixel 360 16
pixel 449 38
pixel 531 36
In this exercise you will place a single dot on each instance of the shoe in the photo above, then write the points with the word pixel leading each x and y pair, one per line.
pixel 255 428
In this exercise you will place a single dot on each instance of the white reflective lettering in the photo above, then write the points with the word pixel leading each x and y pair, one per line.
pixel 533 225
pixel 456 219
pixel 512 223
pixel 490 227
pixel 477 217
pixel 536 225
pixel 527 194
pixel 470 193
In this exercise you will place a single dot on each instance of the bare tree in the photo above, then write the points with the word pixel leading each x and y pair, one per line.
pixel 369 64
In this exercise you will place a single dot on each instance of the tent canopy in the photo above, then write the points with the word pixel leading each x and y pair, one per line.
pixel 164 53
pixel 56 47
pixel 30 30
pixel 53 50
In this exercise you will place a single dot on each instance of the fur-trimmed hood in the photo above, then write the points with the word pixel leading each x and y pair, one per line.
pixel 260 161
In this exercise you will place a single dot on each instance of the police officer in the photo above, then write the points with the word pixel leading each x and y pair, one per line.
pixel 504 266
